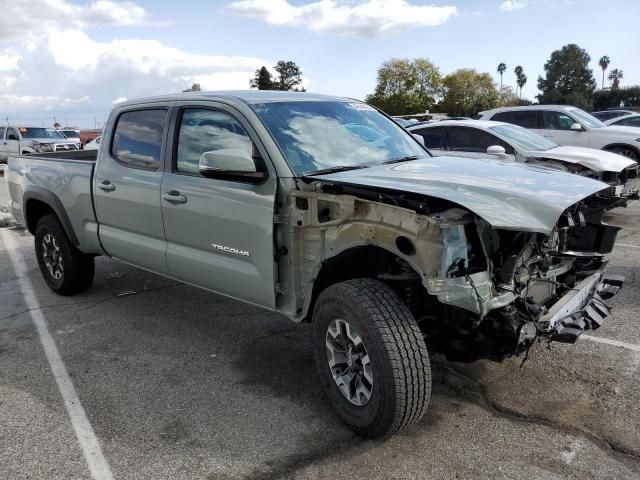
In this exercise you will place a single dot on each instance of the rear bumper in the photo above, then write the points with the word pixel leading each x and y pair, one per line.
pixel 583 308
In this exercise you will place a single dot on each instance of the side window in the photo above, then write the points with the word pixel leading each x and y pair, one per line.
pixel 556 121
pixel 137 140
pixel 629 122
pixel 432 137
pixel 12 131
pixel 465 139
pixel 203 131
pixel 523 118
pixel 2 129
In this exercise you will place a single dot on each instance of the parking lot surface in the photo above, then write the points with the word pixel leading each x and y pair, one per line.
pixel 180 383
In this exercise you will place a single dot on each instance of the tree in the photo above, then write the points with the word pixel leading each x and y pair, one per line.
pixel 262 80
pixel 507 98
pixel 406 87
pixel 502 67
pixel 615 76
pixel 468 92
pixel 194 88
pixel 518 71
pixel 56 125
pixel 604 64
pixel 569 80
pixel 614 97
pixel 289 76
pixel 522 81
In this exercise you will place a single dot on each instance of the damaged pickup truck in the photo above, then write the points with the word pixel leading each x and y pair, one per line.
pixel 325 210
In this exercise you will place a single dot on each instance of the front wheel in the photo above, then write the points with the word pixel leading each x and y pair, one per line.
pixel 626 152
pixel 371 357
pixel 66 269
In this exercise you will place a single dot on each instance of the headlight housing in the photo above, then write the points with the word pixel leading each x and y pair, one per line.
pixel 43 147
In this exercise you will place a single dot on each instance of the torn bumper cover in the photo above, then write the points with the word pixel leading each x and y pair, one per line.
pixel 583 308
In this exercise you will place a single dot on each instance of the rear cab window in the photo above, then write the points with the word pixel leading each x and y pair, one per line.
pixel 137 138
pixel 523 118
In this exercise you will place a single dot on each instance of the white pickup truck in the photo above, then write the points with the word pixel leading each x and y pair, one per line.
pixel 16 140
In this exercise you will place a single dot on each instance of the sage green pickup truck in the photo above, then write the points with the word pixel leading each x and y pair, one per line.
pixel 325 210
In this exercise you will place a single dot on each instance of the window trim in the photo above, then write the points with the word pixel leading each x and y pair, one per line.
pixel 115 158
pixel 175 137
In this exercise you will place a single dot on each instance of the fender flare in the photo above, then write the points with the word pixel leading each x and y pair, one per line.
pixel 50 199
pixel 619 144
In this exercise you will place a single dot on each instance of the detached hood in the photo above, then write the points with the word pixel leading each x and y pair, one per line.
pixel 596 160
pixel 510 195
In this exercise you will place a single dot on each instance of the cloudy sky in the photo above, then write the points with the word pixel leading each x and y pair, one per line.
pixel 73 59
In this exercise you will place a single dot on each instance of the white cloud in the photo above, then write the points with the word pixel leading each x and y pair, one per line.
pixel 24 19
pixel 366 18
pixel 510 5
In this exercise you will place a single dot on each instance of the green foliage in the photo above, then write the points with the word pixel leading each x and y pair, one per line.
pixel 262 80
pixel 289 78
pixel 406 87
pixel 502 67
pixel 604 64
pixel 194 88
pixel 468 92
pixel 507 98
pixel 604 99
pixel 569 80
pixel 615 76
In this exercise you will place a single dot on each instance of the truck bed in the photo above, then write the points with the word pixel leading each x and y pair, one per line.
pixel 62 180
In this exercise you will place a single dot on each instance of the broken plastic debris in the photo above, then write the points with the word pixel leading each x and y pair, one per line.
pixel 124 294
pixel 115 275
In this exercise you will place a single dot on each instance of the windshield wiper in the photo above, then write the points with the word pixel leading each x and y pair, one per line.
pixel 408 158
pixel 342 168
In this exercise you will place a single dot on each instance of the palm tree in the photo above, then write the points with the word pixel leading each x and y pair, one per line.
pixel 522 80
pixel 615 76
pixel 518 71
pixel 502 67
pixel 604 64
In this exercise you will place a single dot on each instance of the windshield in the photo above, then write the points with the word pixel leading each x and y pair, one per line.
pixel 320 135
pixel 70 133
pixel 586 118
pixel 525 139
pixel 29 132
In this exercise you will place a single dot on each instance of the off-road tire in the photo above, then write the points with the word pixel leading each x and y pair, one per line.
pixel 399 358
pixel 78 268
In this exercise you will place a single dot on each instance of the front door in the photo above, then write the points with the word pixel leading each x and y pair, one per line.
pixel 219 232
pixel 127 188
pixel 557 128
pixel 471 142
pixel 11 143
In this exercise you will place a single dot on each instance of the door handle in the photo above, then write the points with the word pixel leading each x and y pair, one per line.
pixel 107 186
pixel 174 197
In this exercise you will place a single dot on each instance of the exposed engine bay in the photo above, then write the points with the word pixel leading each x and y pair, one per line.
pixel 476 291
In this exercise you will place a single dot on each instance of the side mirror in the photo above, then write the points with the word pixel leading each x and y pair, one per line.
pixel 419 138
pixel 576 127
pixel 230 164
pixel 496 150
pixel 12 136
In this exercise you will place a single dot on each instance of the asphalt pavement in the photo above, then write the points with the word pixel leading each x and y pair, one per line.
pixel 179 383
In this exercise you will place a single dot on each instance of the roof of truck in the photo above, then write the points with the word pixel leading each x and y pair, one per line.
pixel 246 96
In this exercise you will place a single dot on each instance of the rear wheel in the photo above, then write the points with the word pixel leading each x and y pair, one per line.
pixel 628 152
pixel 371 357
pixel 66 269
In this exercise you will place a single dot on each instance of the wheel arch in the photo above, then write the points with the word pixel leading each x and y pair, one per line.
pixel 38 202
pixel 356 261
pixel 611 146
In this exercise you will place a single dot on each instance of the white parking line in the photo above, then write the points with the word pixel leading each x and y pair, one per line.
pixel 87 439
pixel 616 343
pixel 627 245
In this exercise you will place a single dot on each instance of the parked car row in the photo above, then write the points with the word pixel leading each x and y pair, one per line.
pixel 20 140
pixel 329 212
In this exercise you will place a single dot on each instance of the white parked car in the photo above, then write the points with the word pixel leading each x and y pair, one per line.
pixel 483 139
pixel 566 125
pixel 72 135
pixel 631 120
pixel 93 144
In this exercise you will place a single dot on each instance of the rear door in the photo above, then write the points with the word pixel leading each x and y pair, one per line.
pixel 127 187
pixel 219 232
pixel 557 127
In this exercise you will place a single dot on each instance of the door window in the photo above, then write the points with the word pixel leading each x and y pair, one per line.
pixel 466 139
pixel 557 121
pixel 629 122
pixel 137 141
pixel 203 130
pixel 12 131
pixel 432 137
pixel 2 129
pixel 523 118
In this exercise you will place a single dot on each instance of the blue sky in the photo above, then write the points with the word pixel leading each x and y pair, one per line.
pixel 73 59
